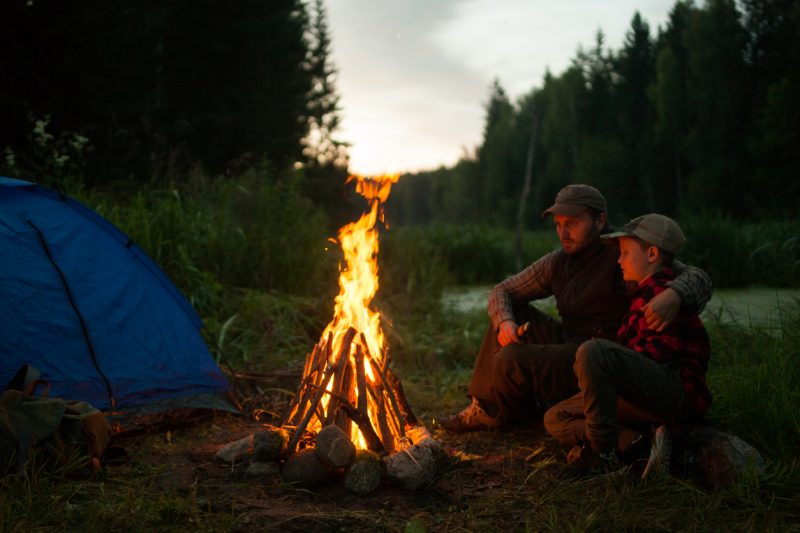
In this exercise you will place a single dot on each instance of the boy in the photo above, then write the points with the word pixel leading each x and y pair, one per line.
pixel 649 376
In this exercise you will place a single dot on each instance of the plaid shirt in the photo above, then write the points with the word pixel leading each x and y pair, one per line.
pixel 684 343
pixel 536 282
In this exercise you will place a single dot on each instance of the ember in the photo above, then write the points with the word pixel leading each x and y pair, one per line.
pixel 346 380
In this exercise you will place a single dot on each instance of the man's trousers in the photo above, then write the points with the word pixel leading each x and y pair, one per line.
pixel 519 381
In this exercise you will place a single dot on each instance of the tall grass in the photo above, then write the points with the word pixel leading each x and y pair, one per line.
pixel 469 254
pixel 251 254
pixel 737 253
pixel 754 376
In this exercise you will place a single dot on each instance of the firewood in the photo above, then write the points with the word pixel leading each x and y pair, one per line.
pixel 401 397
pixel 373 441
pixel 386 434
pixel 293 406
pixel 389 393
pixel 361 382
pixel 336 389
pixel 341 419
pixel 340 362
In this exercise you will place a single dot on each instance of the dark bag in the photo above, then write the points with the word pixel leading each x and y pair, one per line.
pixel 62 429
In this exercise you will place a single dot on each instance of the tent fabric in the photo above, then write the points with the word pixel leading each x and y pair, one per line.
pixel 81 302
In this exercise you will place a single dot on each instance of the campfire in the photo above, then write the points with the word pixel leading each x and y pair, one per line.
pixel 348 392
pixel 350 416
pixel 347 380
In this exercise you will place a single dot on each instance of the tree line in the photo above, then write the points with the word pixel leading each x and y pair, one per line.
pixel 701 116
pixel 149 91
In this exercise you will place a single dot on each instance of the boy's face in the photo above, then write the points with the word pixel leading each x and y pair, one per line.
pixel 637 262
pixel 578 231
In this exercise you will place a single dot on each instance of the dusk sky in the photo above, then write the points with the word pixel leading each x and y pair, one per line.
pixel 414 75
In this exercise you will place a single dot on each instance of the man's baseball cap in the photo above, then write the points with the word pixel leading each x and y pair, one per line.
pixel 573 199
pixel 654 229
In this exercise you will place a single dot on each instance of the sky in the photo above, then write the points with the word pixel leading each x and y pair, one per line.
pixel 414 76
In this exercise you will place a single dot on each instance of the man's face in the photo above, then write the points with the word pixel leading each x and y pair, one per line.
pixel 636 262
pixel 576 232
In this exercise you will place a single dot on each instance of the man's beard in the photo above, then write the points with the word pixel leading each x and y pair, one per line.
pixel 591 237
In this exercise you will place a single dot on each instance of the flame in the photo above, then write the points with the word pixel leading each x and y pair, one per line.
pixel 358 283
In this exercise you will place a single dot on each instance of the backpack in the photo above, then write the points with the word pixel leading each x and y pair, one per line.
pixel 62 429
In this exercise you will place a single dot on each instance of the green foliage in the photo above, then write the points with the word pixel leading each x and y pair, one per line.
pixel 736 253
pixel 755 380
pixel 57 158
pixel 251 254
pixel 413 272
pixel 468 254
pixel 264 330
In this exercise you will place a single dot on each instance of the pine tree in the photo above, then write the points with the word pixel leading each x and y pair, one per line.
pixel 494 155
pixel 634 114
pixel 321 148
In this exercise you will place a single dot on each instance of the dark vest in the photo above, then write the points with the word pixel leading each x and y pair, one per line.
pixel 590 293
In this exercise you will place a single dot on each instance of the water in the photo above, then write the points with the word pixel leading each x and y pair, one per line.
pixel 752 306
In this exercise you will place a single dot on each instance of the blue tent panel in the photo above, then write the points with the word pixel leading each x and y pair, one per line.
pixel 87 307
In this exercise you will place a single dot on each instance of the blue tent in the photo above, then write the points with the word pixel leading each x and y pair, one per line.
pixel 90 310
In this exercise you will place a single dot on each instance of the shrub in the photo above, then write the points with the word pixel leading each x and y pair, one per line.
pixel 737 254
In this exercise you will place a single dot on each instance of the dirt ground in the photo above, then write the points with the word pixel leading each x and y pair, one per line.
pixel 505 480
pixel 486 480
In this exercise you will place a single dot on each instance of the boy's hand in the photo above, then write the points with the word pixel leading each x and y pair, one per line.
pixel 508 333
pixel 662 310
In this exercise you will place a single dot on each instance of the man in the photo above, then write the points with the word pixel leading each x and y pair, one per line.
pixel 518 378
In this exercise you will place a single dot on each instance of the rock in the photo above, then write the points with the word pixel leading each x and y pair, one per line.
pixel 264 472
pixel 436 448
pixel 721 458
pixel 270 445
pixel 305 468
pixel 236 450
pixel 364 475
pixel 413 467
pixel 333 447
pixel 420 436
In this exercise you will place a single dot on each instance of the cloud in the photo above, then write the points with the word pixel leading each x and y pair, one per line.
pixel 414 75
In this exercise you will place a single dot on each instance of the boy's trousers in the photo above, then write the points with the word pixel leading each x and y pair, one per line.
pixel 617 386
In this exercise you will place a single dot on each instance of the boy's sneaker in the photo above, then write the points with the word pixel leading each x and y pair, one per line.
pixel 660 452
pixel 582 462
pixel 610 464
pixel 634 450
pixel 472 418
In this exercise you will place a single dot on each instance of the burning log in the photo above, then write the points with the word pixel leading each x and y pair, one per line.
pixel 322 395
pixel 332 368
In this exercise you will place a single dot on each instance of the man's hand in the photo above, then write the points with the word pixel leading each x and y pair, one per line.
pixel 662 310
pixel 508 333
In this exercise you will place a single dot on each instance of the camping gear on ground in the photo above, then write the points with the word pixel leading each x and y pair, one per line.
pixel 62 430
pixel 80 301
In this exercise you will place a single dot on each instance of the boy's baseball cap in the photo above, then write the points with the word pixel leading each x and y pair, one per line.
pixel 573 199
pixel 654 229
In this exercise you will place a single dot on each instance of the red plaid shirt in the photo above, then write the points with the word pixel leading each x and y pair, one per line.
pixel 684 343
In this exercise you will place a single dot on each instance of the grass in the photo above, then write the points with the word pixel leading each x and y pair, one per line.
pixel 504 480
pixel 756 382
